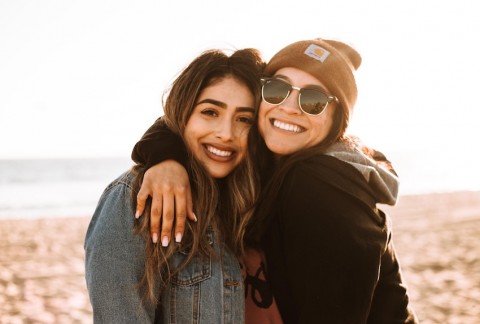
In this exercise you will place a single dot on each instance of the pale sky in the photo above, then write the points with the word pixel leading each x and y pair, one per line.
pixel 85 78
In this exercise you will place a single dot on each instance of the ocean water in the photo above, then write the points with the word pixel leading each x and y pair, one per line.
pixel 72 187
pixel 55 187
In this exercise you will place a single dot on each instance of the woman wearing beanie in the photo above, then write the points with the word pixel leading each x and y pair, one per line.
pixel 329 252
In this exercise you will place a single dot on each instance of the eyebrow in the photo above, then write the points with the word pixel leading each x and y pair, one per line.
pixel 224 105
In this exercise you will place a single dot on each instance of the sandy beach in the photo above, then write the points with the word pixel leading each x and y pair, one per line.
pixel 436 236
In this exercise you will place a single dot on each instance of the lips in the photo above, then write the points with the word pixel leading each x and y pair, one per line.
pixel 221 154
pixel 286 126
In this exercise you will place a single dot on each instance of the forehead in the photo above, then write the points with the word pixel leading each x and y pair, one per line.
pixel 230 91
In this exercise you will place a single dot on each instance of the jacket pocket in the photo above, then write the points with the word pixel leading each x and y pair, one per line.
pixel 197 270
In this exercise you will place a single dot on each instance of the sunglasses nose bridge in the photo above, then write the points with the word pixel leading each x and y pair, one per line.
pixel 292 100
pixel 296 88
pixel 299 94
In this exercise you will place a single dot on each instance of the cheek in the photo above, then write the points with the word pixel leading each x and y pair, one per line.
pixel 263 109
pixel 189 141
pixel 190 134
pixel 262 118
pixel 322 128
pixel 243 144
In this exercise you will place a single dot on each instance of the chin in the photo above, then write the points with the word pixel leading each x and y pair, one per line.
pixel 219 174
pixel 280 148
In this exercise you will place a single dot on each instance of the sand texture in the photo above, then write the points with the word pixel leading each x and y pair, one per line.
pixel 436 236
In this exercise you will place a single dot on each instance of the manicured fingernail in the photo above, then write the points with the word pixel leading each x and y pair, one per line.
pixel 178 237
pixel 165 241
pixel 137 214
pixel 194 217
pixel 155 238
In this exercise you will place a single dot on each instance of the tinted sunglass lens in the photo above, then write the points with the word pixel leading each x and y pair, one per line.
pixel 274 91
pixel 313 102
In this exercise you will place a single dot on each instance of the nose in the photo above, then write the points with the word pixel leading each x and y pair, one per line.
pixel 290 105
pixel 224 130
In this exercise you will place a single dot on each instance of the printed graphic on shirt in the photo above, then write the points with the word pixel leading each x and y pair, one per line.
pixel 258 288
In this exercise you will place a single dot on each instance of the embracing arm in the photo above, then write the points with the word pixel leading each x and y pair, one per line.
pixel 115 261
pixel 159 144
pixel 166 181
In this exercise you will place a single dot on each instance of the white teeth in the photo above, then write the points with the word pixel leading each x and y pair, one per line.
pixel 287 127
pixel 218 152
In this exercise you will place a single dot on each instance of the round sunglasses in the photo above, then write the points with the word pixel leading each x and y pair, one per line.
pixel 311 101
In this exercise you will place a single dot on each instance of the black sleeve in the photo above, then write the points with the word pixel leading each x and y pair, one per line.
pixel 158 144
pixel 390 303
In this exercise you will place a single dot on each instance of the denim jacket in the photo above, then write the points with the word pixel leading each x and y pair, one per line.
pixel 207 290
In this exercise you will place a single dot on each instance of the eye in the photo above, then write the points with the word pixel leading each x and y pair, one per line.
pixel 246 119
pixel 209 112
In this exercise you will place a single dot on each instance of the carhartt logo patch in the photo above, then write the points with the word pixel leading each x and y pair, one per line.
pixel 317 52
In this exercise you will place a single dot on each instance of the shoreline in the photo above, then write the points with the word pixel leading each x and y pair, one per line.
pixel 436 237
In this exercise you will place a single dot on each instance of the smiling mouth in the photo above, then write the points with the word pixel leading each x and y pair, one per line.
pixel 286 127
pixel 217 152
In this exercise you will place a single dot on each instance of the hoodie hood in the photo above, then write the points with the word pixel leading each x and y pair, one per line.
pixel 374 167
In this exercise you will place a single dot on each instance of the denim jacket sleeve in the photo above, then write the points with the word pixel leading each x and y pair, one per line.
pixel 114 259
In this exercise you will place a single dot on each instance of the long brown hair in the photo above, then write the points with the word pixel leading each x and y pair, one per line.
pixel 225 204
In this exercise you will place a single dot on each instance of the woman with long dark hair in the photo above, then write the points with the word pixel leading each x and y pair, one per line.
pixel 211 107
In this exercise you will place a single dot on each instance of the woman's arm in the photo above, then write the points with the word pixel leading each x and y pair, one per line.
pixel 391 303
pixel 158 144
pixel 115 261
pixel 166 181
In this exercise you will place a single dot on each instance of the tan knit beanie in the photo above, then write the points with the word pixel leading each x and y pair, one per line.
pixel 332 62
